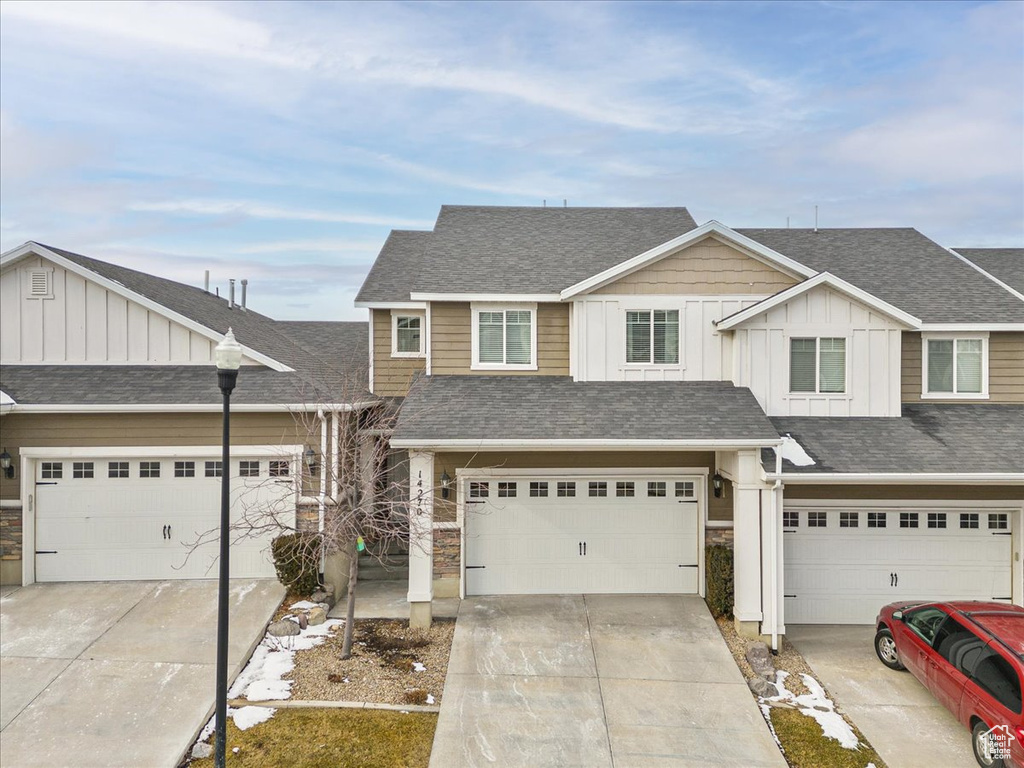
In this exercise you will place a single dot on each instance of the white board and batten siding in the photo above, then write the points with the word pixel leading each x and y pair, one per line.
pixel 599 345
pixel 82 322
pixel 873 346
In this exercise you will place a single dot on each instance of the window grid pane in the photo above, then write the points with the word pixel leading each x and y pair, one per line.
pixel 849 519
pixel 638 337
pixel 538 489
pixel 506 490
pixel 52 470
pixel 817 520
pixel 832 373
pixel 82 469
pixel 666 337
pixel 998 521
pixel 492 337
pixel 408 334
pixel 686 489
pixel 598 489
pixel 790 519
pixel 876 520
pixel 656 489
pixel 624 489
pixel 517 337
pixel 117 469
pixel 479 490
pixel 566 489
pixel 968 366
pixel 908 520
pixel 149 469
pixel 802 365
pixel 279 468
pixel 248 469
pixel 969 520
pixel 184 469
pixel 940 365
pixel 936 519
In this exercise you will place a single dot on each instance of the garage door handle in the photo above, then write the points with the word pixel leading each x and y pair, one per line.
pixel 579 546
pixel 584 549
pixel 897 583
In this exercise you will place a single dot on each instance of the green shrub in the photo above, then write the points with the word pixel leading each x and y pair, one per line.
pixel 718 561
pixel 297 561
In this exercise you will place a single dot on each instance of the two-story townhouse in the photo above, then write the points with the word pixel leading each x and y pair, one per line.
pixel 110 420
pixel 591 395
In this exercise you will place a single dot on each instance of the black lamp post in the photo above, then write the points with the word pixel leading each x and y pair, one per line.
pixel 228 355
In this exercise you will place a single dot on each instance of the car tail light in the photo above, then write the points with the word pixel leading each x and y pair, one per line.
pixel 1020 735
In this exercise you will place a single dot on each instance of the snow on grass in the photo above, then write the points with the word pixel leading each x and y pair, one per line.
pixel 261 679
pixel 303 605
pixel 818 705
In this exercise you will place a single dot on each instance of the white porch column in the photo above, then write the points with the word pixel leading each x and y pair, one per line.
pixel 771 562
pixel 421 538
pixel 746 512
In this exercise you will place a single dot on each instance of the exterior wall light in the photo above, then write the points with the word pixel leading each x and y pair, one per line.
pixel 716 484
pixel 446 484
pixel 6 465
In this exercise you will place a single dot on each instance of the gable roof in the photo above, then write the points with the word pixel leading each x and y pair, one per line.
pixel 517 250
pixel 822 278
pixel 1004 264
pixel 901 267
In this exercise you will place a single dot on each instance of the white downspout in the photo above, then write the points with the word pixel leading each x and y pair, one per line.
pixel 322 495
pixel 336 466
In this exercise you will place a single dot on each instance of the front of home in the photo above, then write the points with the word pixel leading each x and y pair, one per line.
pixel 588 397
pixel 593 395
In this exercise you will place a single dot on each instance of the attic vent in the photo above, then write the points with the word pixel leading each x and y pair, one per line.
pixel 40 284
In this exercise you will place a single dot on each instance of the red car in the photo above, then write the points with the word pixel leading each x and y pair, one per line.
pixel 970 655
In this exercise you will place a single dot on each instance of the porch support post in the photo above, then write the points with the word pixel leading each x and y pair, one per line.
pixel 771 562
pixel 747 551
pixel 421 538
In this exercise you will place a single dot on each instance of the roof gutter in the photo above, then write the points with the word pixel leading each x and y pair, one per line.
pixel 590 444
pixel 184 407
pixel 899 478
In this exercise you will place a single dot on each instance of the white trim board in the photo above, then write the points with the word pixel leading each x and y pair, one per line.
pixel 35 249
pixel 822 278
pixel 923 478
pixel 390 305
pixel 595 444
pixel 510 298
pixel 744 243
pixel 183 407
pixel 164 451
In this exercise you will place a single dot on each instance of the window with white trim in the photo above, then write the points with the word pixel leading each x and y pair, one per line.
pixel 817 365
pixel 504 337
pixel 955 366
pixel 652 336
pixel 407 338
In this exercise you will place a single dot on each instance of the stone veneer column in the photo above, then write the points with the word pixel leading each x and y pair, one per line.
pixel 421 544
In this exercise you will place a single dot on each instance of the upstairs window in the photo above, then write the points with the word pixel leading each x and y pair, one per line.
pixel 504 338
pixel 955 367
pixel 652 336
pixel 407 335
pixel 817 366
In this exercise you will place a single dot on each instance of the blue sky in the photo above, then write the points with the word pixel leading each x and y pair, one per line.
pixel 281 142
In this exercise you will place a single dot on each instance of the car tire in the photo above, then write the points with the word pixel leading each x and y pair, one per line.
pixel 978 743
pixel 885 649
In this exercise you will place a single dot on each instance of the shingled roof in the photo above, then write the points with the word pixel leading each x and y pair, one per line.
pixel 1006 264
pixel 554 408
pixel 930 438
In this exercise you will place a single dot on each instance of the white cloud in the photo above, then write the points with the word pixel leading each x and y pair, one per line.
pixel 254 210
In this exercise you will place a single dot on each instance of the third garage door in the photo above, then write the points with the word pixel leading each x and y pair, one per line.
pixel 582 534
pixel 842 565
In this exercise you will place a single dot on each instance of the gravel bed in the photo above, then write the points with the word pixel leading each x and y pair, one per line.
pixel 788 659
pixel 381 668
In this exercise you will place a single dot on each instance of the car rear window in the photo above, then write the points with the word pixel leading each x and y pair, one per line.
pixel 959 646
pixel 995 675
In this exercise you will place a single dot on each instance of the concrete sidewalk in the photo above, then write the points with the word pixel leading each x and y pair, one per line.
pixel 116 673
pixel 578 680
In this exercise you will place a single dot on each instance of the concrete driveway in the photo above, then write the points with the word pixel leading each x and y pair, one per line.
pixel 644 680
pixel 904 723
pixel 116 673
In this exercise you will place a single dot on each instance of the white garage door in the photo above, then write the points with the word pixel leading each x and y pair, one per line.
pixel 584 534
pixel 123 518
pixel 842 565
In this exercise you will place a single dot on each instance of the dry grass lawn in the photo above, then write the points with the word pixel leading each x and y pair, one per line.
pixel 332 738
pixel 806 747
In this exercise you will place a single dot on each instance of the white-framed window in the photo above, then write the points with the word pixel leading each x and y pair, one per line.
pixel 652 336
pixel 39 283
pixel 954 366
pixel 504 337
pixel 817 365
pixel 408 333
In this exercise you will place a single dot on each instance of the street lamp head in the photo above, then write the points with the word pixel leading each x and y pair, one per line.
pixel 228 355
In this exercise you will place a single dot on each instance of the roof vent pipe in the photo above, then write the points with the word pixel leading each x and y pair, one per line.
pixel 245 285
pixel 815 218
pixel 231 293
pixel 206 281
pixel 565 203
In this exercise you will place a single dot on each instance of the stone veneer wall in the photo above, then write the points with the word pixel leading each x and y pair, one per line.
pixel 446 553
pixel 10 533
pixel 718 536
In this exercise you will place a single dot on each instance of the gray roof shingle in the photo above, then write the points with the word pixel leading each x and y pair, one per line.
pixel 498 249
pixel 902 267
pixel 928 438
pixel 1006 264
pixel 556 408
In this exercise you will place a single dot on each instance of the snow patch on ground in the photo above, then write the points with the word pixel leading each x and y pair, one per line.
pixel 818 705
pixel 418 667
pixel 241 592
pixel 794 453
pixel 302 604
pixel 246 717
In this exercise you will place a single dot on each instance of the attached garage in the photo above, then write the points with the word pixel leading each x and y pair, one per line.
pixel 598 532
pixel 843 562
pixel 115 514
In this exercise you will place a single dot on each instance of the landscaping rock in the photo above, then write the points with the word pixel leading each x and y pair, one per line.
pixel 323 596
pixel 283 628
pixel 202 750
pixel 762 688
pixel 303 621
pixel 760 660
pixel 316 616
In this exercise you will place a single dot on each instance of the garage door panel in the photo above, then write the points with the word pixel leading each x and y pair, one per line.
pixel 843 575
pixel 534 545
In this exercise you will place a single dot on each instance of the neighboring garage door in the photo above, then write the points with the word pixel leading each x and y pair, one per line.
pixel 124 518
pixel 842 565
pixel 582 534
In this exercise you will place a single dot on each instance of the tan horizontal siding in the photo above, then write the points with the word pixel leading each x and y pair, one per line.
pixel 1005 368
pixel 444 510
pixel 451 341
pixel 709 267
pixel 392 376
pixel 143 429
pixel 966 493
